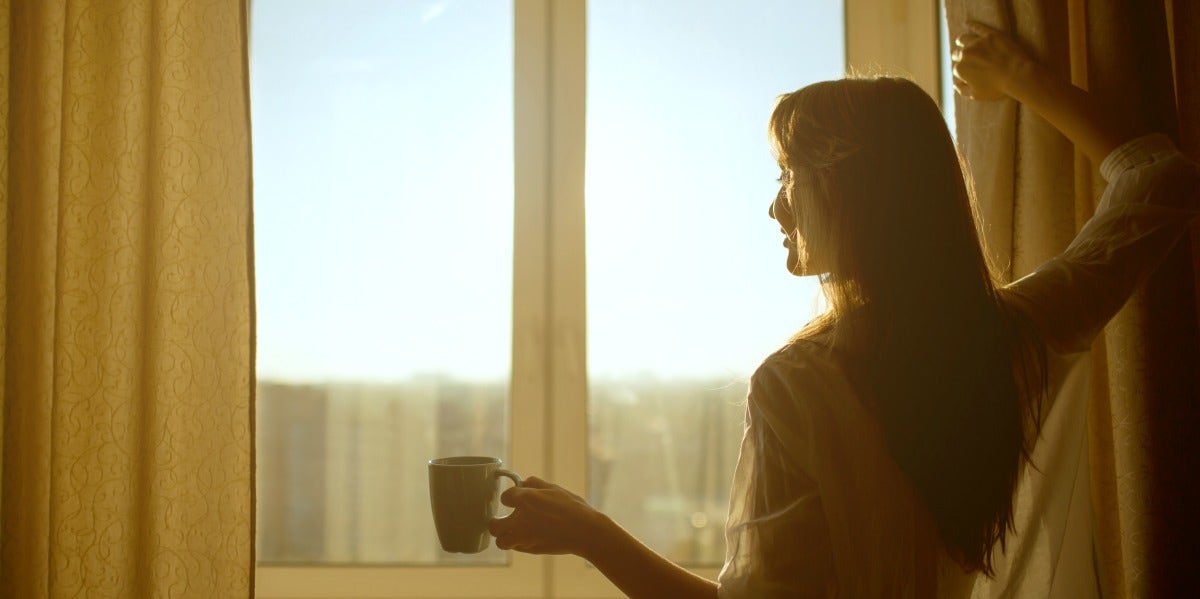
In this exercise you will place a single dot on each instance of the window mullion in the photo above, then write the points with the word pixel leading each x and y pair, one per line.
pixel 567 432
pixel 898 38
pixel 532 251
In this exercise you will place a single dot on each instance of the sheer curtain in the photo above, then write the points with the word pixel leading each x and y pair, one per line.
pixel 1109 510
pixel 126 300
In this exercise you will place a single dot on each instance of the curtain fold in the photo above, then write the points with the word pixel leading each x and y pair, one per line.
pixel 127 324
pixel 1127 469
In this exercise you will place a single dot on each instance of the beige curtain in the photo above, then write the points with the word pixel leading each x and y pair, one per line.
pixel 126 294
pixel 1111 511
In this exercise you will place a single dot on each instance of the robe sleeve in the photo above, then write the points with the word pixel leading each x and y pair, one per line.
pixel 1150 202
pixel 777 539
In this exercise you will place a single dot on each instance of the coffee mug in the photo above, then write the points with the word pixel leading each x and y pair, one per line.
pixel 464 495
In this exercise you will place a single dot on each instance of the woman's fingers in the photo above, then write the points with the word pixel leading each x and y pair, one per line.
pixel 517 496
pixel 534 482
pixel 961 87
pixel 525 528
pixel 523 531
pixel 546 518
pixel 512 496
pixel 515 530
pixel 966 39
pixel 986 62
pixel 509 540
pixel 505 526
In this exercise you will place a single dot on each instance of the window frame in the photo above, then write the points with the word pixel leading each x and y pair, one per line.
pixel 548 393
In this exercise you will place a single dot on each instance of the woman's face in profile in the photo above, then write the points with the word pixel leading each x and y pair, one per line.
pixel 802 260
pixel 781 211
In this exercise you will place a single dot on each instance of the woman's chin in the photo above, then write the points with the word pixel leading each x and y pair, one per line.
pixel 803 268
pixel 794 264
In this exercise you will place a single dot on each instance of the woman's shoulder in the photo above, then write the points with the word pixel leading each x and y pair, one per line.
pixel 803 372
pixel 799 357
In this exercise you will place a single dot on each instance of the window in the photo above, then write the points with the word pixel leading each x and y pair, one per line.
pixel 384 232
pixel 422 222
pixel 687 289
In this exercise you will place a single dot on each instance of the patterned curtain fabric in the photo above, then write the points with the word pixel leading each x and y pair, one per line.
pixel 1110 509
pixel 126 300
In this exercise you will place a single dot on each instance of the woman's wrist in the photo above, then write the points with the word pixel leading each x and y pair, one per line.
pixel 1027 81
pixel 636 569
pixel 605 537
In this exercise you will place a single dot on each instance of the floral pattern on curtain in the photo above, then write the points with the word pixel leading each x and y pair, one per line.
pixel 127 300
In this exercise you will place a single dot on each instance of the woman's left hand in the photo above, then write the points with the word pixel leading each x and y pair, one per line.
pixel 989 65
pixel 548 519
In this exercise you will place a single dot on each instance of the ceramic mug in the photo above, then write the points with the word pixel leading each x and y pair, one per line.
pixel 464 492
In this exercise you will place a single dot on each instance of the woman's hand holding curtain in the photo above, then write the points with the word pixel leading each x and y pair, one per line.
pixel 989 65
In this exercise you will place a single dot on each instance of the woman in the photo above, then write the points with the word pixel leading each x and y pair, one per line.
pixel 883 443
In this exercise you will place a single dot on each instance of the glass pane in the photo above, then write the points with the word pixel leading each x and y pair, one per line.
pixel 944 72
pixel 383 213
pixel 687 285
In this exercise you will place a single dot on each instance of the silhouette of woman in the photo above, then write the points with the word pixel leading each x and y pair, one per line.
pixel 884 442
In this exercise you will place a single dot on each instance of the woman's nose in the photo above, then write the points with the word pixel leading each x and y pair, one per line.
pixel 779 197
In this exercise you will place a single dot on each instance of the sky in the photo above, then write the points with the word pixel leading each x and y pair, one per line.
pixel 383 185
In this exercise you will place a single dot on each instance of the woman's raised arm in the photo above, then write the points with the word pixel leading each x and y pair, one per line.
pixel 1153 192
pixel 988 64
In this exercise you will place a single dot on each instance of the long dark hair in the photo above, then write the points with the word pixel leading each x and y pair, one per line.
pixel 954 375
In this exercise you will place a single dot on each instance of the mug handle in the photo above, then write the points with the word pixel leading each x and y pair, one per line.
pixel 516 478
